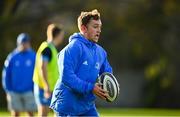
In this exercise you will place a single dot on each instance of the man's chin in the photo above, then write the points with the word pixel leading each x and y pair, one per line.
pixel 95 40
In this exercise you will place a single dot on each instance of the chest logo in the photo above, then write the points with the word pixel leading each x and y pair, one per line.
pixel 17 63
pixel 85 63
pixel 97 66
pixel 28 63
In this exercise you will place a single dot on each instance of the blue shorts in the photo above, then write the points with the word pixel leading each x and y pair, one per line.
pixel 39 96
pixel 92 112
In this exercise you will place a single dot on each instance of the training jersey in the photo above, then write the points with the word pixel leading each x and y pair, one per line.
pixel 52 68
pixel 18 71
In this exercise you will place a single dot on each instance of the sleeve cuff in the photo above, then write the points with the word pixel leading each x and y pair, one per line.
pixel 90 87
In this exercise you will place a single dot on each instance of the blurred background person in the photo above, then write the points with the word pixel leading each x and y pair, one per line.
pixel 46 69
pixel 17 77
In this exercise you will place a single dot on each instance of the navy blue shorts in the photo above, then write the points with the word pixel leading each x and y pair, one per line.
pixel 39 96
pixel 92 112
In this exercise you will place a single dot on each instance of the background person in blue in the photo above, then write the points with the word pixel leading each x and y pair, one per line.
pixel 17 77
pixel 80 63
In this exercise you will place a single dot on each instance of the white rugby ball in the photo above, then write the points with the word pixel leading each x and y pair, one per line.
pixel 110 84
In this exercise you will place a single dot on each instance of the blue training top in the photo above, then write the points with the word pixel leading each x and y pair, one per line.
pixel 18 71
pixel 80 63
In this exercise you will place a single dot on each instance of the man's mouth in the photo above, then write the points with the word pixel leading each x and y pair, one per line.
pixel 97 35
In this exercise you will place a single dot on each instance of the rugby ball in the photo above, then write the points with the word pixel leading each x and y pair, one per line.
pixel 110 84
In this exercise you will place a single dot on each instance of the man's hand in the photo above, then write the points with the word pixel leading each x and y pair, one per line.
pixel 47 93
pixel 99 91
pixel 8 96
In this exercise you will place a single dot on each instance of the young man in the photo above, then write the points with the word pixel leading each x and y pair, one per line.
pixel 17 77
pixel 46 69
pixel 80 63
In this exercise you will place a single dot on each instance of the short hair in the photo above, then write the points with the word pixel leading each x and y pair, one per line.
pixel 53 30
pixel 85 17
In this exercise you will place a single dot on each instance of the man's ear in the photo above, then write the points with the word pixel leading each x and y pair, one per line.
pixel 83 28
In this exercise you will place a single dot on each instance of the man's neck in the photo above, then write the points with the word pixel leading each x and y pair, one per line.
pixel 85 36
pixel 53 43
pixel 20 49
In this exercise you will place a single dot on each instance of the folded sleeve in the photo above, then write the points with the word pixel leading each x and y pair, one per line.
pixel 46 54
pixel 6 74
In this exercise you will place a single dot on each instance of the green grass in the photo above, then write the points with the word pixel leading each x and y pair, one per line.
pixel 138 112
pixel 124 112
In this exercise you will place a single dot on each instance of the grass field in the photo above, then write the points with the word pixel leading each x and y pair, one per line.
pixel 124 112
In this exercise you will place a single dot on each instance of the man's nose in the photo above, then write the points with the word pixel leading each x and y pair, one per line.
pixel 99 30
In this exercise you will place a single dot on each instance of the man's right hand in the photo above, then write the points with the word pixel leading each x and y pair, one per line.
pixel 8 96
pixel 99 91
pixel 47 93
